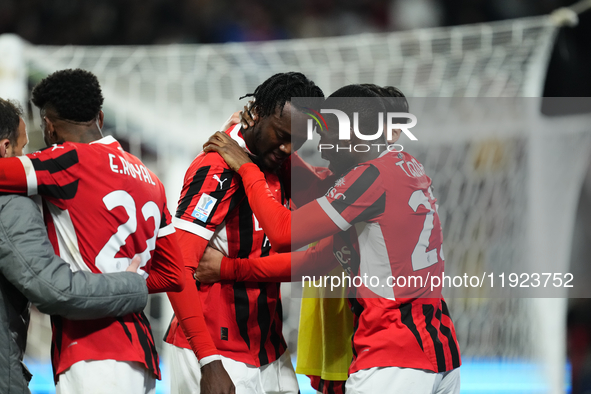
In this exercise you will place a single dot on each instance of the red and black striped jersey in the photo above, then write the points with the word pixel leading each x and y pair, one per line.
pixel 243 318
pixel 102 207
pixel 390 203
pixel 327 386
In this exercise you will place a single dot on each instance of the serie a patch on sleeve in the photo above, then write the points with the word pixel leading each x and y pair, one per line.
pixel 204 207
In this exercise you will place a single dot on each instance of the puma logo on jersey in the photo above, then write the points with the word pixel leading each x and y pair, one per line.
pixel 221 182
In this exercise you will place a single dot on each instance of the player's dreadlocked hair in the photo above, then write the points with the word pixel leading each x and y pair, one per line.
pixel 279 89
pixel 74 94
pixel 10 114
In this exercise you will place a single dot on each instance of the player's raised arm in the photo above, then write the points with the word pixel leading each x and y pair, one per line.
pixel 275 219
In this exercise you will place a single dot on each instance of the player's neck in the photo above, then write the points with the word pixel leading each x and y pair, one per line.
pixel 82 134
pixel 367 156
pixel 249 139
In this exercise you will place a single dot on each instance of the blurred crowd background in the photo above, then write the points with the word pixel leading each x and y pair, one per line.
pixel 145 22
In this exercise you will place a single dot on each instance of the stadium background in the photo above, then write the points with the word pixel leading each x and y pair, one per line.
pixel 510 50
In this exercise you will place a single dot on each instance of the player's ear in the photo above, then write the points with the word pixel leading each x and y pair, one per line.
pixel 4 146
pixel 49 125
pixel 101 119
pixel 254 111
pixel 395 136
pixel 50 131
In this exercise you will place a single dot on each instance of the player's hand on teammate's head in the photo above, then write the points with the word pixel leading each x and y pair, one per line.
pixel 232 120
pixel 229 149
pixel 135 264
pixel 210 265
pixel 215 379
pixel 245 117
pixel 248 117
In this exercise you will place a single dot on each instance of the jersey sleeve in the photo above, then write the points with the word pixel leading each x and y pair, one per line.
pixel 309 223
pixel 274 218
pixel 208 194
pixel 51 173
pixel 356 197
pixel 282 267
pixel 166 226
pixel 187 303
pixel 17 176
pixel 167 271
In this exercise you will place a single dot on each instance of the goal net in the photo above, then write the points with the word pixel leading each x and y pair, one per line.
pixel 167 100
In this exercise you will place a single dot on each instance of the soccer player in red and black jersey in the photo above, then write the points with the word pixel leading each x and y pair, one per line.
pixel 383 209
pixel 102 207
pixel 244 319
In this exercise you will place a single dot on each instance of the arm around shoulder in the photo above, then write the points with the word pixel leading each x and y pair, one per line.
pixel 28 261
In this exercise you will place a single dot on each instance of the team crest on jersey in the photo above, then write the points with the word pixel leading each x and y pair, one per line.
pixel 332 193
pixel 204 207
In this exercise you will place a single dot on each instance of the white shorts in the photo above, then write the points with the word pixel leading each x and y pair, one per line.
pixel 106 377
pixel 394 380
pixel 277 377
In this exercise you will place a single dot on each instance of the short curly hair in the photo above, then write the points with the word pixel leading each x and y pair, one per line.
pixel 73 94
pixel 396 100
pixel 10 114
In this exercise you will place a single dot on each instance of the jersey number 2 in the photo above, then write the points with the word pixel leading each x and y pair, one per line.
pixel 421 257
pixel 106 260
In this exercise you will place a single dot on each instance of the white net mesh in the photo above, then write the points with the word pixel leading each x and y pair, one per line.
pixel 171 98
pixel 188 90
pixel 481 187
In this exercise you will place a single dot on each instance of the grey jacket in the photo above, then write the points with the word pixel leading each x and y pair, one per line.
pixel 30 271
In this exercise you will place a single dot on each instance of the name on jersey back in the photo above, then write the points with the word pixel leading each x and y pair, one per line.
pixel 121 166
